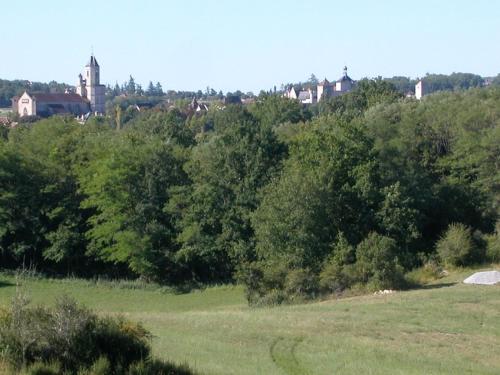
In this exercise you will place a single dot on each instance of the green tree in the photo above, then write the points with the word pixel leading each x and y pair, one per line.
pixel 275 110
pixel 151 91
pixel 377 262
pixel 158 89
pixel 329 186
pixel 367 93
pixel 313 81
pixel 227 169
pixel 131 86
pixel 128 189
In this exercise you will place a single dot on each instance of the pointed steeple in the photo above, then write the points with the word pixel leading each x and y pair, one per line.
pixel 93 61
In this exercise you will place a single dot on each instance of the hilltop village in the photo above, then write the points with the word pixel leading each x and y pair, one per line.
pixel 88 96
pixel 326 89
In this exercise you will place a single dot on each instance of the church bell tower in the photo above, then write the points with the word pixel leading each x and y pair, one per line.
pixel 92 72
pixel 90 87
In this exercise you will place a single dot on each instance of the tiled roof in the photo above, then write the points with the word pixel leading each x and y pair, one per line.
pixel 59 98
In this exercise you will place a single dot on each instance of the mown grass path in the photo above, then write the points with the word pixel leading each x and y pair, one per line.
pixel 283 354
pixel 449 328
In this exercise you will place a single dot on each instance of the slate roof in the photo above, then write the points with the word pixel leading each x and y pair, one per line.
pixel 304 95
pixel 93 61
pixel 345 78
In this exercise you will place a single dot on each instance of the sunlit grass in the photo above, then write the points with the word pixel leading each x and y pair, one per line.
pixel 445 328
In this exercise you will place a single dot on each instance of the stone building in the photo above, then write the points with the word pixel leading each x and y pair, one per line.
pixel 44 105
pixel 307 96
pixel 291 93
pixel 89 97
pixel 419 90
pixel 343 85
pixel 324 89
pixel 88 86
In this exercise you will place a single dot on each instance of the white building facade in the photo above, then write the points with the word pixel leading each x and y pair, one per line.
pixel 419 90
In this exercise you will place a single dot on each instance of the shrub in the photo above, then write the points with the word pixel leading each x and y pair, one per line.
pixel 157 367
pixel 301 284
pixel 40 368
pixel 430 271
pixel 69 335
pixel 493 245
pixel 22 333
pixel 264 282
pixel 100 367
pixel 272 297
pixel 343 252
pixel 456 247
pixel 274 283
pixel 332 279
pixel 376 262
pixel 121 342
pixel 335 275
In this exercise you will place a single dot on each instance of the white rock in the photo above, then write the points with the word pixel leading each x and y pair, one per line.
pixel 484 278
pixel 385 291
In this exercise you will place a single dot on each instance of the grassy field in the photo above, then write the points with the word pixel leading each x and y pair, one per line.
pixel 445 328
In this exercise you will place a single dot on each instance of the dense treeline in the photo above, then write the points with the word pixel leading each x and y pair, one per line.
pixel 438 82
pixel 290 202
pixel 404 85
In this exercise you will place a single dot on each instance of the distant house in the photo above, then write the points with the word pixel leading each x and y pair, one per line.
pixel 324 89
pixel 307 96
pixel 340 87
pixel 344 84
pixel 44 105
pixel 419 90
pixel 198 107
pixel 291 93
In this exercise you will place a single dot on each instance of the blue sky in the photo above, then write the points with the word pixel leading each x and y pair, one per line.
pixel 247 45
